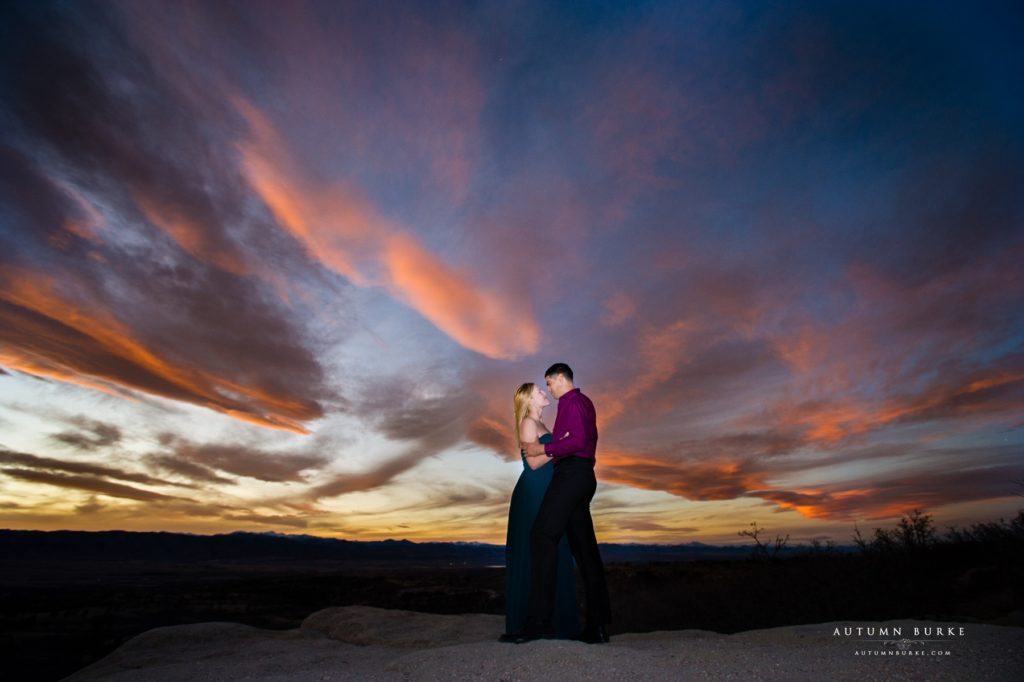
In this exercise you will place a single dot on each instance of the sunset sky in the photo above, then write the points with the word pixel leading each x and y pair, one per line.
pixel 280 266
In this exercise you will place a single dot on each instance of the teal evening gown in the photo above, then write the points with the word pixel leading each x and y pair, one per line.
pixel 522 510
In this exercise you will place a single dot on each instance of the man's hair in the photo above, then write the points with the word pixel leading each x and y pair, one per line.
pixel 559 368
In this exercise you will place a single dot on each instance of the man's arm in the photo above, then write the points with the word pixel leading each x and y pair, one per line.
pixel 537 449
pixel 537 461
pixel 574 423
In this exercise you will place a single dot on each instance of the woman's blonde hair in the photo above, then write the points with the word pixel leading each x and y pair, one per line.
pixel 521 404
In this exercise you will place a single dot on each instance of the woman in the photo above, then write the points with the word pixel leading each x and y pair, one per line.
pixel 529 402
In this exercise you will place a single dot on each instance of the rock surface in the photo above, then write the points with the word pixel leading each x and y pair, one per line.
pixel 364 643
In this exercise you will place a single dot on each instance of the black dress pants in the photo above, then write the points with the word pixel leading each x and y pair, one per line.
pixel 566 509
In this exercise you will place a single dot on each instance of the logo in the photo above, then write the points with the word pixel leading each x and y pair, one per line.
pixel 898 640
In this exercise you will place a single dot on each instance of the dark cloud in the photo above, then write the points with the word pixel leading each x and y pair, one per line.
pixel 398 410
pixel 636 524
pixel 92 434
pixel 415 405
pixel 426 445
pixel 84 482
pixel 198 460
pixel 253 463
pixel 49 464
pixel 174 464
pixel 449 496
pixel 374 477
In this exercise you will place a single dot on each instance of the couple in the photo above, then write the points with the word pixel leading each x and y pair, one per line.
pixel 549 517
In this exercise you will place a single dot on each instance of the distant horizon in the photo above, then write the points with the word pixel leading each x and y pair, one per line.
pixel 308 535
pixel 270 533
pixel 791 542
pixel 282 266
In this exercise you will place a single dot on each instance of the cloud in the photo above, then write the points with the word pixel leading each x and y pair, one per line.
pixel 491 432
pixel 49 335
pixel 34 462
pixel 636 524
pixel 414 406
pixel 200 459
pixel 710 479
pixel 892 497
pixel 372 478
pixel 340 227
pixel 84 482
pixel 400 412
pixel 174 464
pixel 72 99
pixel 739 468
pixel 92 434
pixel 127 265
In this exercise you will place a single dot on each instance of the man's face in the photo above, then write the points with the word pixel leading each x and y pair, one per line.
pixel 557 385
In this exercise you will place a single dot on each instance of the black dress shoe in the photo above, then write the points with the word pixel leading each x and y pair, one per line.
pixel 595 634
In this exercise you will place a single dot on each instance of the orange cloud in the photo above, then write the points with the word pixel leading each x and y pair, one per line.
pixel 826 423
pixel 693 480
pixel 476 319
pixel 662 352
pixel 190 236
pixel 340 228
pixel 885 496
pixel 51 336
pixel 892 496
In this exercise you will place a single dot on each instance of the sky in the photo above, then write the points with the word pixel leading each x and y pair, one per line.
pixel 273 266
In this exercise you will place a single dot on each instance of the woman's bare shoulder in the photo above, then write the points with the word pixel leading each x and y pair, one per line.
pixel 528 428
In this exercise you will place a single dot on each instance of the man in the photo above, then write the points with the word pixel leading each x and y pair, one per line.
pixel 566 509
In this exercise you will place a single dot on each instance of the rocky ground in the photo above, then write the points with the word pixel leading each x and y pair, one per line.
pixel 365 643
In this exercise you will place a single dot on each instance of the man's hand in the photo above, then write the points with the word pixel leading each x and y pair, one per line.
pixel 533 449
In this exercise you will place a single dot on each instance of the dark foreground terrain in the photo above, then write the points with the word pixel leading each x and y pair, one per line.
pixel 60 614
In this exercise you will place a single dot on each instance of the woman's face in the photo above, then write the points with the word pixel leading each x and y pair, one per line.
pixel 539 398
